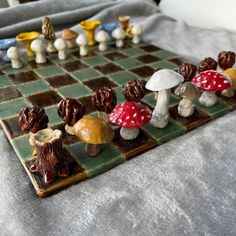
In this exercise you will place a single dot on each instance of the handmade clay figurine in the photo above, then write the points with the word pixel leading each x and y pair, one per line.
pixel 207 64
pixel 37 47
pixel 14 55
pixel 130 116
pixel 49 34
pixel 104 100
pixel 89 28
pixel 231 75
pixel 61 47
pixel 124 22
pixel 94 131
pixel 136 31
pixel 71 111
pixel 162 81
pixel 5 44
pixel 50 161
pixel 119 35
pixel 108 27
pixel 187 70
pixel 134 90
pixel 210 81
pixel 82 41
pixel 69 36
pixel 226 59
pixel 102 38
pixel 188 92
pixel 27 38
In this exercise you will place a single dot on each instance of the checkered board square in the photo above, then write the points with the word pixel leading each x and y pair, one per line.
pixel 77 77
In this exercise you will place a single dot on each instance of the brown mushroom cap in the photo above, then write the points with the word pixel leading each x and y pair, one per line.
pixel 93 130
pixel 187 90
pixel 68 34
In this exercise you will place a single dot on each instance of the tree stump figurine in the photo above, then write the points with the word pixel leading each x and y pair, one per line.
pixel 49 34
pixel 50 162
pixel 104 100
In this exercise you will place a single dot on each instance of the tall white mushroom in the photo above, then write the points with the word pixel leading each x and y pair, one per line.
pixel 119 35
pixel 60 45
pixel 14 55
pixel 37 47
pixel 137 31
pixel 162 81
pixel 82 41
pixel 102 37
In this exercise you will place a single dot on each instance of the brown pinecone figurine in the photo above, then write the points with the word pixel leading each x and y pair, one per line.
pixel 70 110
pixel 134 90
pixel 226 59
pixel 187 70
pixel 33 119
pixel 207 64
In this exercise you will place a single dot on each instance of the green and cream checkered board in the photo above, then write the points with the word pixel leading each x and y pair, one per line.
pixel 77 77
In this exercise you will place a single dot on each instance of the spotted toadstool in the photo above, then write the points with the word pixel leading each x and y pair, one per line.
pixel 210 81
pixel 130 116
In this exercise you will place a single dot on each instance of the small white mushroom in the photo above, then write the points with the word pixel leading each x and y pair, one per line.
pixel 102 37
pixel 60 45
pixel 14 55
pixel 119 35
pixel 137 31
pixel 38 48
pixel 82 41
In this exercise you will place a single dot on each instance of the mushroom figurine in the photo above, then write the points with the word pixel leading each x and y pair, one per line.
pixel 14 55
pixel 38 48
pixel 187 70
pixel 210 81
pixel 119 35
pixel 130 116
pixel 231 75
pixel 188 92
pixel 162 81
pixel 82 41
pixel 71 111
pixel 70 37
pixel 226 59
pixel 136 31
pixel 60 45
pixel 102 37
pixel 94 131
pixel 104 100
pixel 207 64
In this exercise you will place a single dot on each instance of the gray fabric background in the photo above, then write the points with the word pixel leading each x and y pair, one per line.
pixel 184 187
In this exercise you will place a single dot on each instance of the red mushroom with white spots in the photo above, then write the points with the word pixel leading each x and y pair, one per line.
pixel 210 82
pixel 130 116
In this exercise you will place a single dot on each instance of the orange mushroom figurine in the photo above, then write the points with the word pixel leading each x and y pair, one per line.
pixel 70 37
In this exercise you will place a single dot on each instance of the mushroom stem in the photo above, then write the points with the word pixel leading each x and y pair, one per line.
pixel 229 93
pixel 185 108
pixel 50 46
pixel 102 46
pixel 160 115
pixel 71 43
pixel 103 116
pixel 119 43
pixel 62 54
pixel 129 133
pixel 208 99
pixel 69 130
pixel 83 50
pixel 40 58
pixel 92 149
pixel 136 39
pixel 16 63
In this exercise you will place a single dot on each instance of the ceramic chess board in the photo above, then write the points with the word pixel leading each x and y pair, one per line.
pixel 77 77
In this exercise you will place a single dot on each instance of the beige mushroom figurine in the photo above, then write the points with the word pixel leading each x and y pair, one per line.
pixel 14 55
pixel 137 31
pixel 70 37
pixel 102 37
pixel 37 47
pixel 82 41
pixel 119 35
pixel 188 92
pixel 231 75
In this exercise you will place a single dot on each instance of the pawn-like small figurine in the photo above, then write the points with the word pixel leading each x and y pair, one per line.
pixel 102 37
pixel 137 31
pixel 119 35
pixel 14 55
pixel 188 92
pixel 60 45
pixel 38 48
pixel 82 41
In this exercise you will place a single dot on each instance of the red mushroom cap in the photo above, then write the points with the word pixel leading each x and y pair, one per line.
pixel 211 81
pixel 130 115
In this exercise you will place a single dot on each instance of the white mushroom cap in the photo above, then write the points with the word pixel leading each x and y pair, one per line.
pixel 37 45
pixel 118 33
pixel 13 53
pixel 102 36
pixel 164 79
pixel 137 29
pixel 82 40
pixel 60 44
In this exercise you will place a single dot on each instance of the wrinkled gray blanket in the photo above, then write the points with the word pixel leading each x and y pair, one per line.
pixel 184 187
